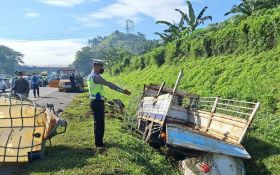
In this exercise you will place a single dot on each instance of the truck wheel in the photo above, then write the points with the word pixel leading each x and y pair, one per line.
pixel 60 90
pixel 148 132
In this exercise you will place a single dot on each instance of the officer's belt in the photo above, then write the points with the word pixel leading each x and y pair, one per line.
pixel 93 97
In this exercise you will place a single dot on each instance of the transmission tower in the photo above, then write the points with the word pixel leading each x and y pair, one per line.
pixel 129 26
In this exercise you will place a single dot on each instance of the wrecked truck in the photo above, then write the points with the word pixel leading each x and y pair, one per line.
pixel 25 127
pixel 208 131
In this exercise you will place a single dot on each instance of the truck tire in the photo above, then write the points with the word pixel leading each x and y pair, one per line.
pixel 60 90
pixel 148 132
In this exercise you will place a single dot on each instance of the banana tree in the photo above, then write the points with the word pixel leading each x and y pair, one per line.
pixel 248 7
pixel 242 8
pixel 191 19
pixel 173 31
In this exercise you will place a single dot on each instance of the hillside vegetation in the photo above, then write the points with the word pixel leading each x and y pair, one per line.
pixel 238 59
pixel 112 48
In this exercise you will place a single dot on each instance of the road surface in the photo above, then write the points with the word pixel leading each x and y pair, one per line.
pixel 47 95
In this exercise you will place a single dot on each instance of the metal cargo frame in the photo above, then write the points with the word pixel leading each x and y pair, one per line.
pixel 24 129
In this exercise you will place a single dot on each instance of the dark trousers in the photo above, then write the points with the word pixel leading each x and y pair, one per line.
pixel 35 88
pixel 97 107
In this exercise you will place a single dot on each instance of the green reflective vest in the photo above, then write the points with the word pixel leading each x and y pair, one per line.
pixel 95 90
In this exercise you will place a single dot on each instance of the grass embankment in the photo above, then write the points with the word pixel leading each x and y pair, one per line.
pixel 74 153
pixel 246 77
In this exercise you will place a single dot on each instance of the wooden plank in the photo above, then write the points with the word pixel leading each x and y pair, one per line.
pixel 249 122
pixel 212 112
pixel 177 82
pixel 236 119
pixel 160 89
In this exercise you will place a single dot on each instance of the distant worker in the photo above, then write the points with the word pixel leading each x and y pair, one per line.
pixel 72 81
pixel 45 81
pixel 21 86
pixel 35 83
pixel 95 85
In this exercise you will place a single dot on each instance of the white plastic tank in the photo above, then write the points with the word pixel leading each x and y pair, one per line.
pixel 212 164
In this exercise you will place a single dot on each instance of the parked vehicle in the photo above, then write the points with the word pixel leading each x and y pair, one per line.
pixel 210 127
pixel 2 85
pixel 65 83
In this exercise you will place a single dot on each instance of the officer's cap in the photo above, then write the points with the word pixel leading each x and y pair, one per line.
pixel 95 61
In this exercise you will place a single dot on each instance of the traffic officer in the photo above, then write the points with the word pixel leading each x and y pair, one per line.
pixel 95 86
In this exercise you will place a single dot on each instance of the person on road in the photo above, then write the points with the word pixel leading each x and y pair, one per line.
pixel 95 85
pixel 72 81
pixel 21 86
pixel 45 81
pixel 35 83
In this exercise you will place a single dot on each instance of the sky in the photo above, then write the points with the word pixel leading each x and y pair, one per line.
pixel 50 32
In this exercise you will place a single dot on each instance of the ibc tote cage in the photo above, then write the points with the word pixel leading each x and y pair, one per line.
pixel 24 129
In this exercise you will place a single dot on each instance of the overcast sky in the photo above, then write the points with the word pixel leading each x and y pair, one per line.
pixel 51 31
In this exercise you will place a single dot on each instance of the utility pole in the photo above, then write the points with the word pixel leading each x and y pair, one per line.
pixel 129 26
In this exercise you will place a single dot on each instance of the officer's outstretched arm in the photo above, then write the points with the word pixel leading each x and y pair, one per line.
pixel 99 80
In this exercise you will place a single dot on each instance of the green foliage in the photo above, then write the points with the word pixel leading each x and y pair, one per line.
pixel 191 19
pixel 257 33
pixel 83 59
pixel 116 48
pixel 171 52
pixel 175 31
pixel 248 7
pixel 157 56
pixel 9 60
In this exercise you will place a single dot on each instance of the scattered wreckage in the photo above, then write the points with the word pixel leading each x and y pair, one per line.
pixel 212 127
pixel 25 127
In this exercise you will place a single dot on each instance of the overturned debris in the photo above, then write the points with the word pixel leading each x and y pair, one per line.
pixel 184 121
pixel 24 129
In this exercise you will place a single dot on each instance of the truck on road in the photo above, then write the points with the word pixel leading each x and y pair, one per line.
pixel 65 83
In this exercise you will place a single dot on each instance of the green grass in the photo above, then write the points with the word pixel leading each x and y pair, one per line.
pixel 245 77
pixel 74 152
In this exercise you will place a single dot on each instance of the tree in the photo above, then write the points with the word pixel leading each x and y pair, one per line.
pixel 191 19
pixel 113 48
pixel 172 33
pixel 248 7
pixel 174 30
pixel 95 41
pixel 9 59
pixel 83 59
pixel 241 8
